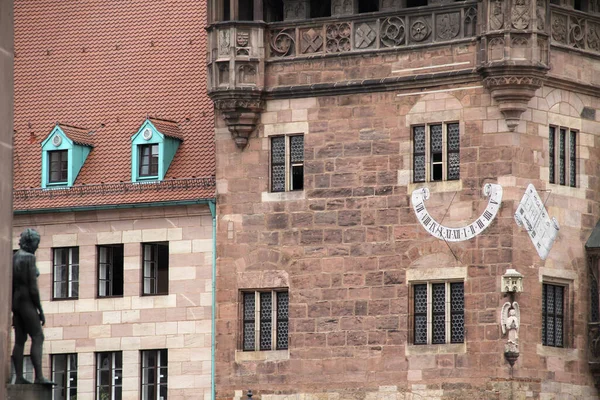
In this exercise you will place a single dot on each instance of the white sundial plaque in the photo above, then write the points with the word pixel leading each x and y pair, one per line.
pixel 457 234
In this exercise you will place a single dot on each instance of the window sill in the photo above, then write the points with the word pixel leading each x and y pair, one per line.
pixel 283 196
pixel 64 298
pixel 427 349
pixel 57 185
pixel 150 294
pixel 436 187
pixel 564 353
pixel 563 190
pixel 268 355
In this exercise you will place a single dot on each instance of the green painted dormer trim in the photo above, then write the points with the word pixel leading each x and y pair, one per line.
pixel 77 153
pixel 149 134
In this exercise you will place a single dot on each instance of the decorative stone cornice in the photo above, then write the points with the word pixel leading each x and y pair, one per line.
pixel 513 87
pixel 240 110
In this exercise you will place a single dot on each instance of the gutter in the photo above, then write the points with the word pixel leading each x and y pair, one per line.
pixel 114 206
pixel 212 204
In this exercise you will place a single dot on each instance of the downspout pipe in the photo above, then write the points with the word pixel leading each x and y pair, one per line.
pixel 212 204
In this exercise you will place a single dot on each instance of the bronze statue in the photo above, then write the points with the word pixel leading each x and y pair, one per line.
pixel 28 316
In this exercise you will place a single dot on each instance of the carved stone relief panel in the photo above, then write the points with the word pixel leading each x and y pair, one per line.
pixel 577 32
pixel 393 32
pixel 223 73
pixel 559 28
pixel 282 42
pixel 520 14
pixel 344 7
pixel 338 38
pixel 224 42
pixel 311 41
pixel 447 26
pixel 593 36
pixel 543 49
pixel 365 35
pixel 296 9
pixel 420 29
pixel 496 49
pixel 470 23
pixel 519 46
pixel 242 41
pixel 540 11
pixel 246 74
pixel 496 21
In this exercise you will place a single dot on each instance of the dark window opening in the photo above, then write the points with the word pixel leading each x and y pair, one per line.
pixel 155 268
pixel 148 160
pixel 58 167
pixel 365 6
pixel 154 374
pixel 579 5
pixel 273 10
pixel 320 8
pixel 226 10
pixel 415 3
pixel 436 149
pixel 110 270
pixel 246 10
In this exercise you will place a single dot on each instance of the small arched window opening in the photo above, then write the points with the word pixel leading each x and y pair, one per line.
pixel 320 8
pixel 273 10
pixel 226 7
pixel 365 6
pixel 246 10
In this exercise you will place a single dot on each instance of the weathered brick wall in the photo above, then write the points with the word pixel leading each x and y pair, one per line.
pixel 179 321
pixel 347 244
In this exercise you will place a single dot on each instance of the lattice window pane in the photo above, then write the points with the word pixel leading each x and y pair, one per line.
pixel 436 139
pixel 544 342
pixel 453 137
pixel 561 156
pixel 282 319
pixel 439 329
pixel 439 313
pixel 572 159
pixel 558 341
pixel 283 305
pixel 439 298
pixel 278 150
pixel 249 321
pixel 453 166
pixel 266 308
pixel 457 296
pixel 265 335
pixel 419 139
pixel 558 300
pixel 249 336
pixel 421 329
pixel 282 335
pixel 419 154
pixel 419 168
pixel 457 328
pixel 420 299
pixel 297 149
pixel 551 153
pixel 550 331
pixel 249 306
pixel 594 303
pixel 278 178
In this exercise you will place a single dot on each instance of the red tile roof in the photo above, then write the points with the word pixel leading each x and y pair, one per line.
pixel 106 66
pixel 78 135
pixel 167 128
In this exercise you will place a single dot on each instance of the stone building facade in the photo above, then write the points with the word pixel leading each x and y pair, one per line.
pixel 114 167
pixel 329 117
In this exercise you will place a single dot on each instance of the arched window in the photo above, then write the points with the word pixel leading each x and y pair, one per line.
pixel 320 8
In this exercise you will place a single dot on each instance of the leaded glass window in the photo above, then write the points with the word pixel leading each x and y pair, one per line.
pixel 266 314
pixel 436 152
pixel 553 315
pixel 66 272
pixel 287 163
pixel 438 313
pixel 562 155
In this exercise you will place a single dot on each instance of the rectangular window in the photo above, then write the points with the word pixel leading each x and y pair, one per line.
pixel 28 371
pixel 155 268
pixel 58 168
pixel 109 374
pixel 438 313
pixel 553 306
pixel 66 272
pixel 287 163
pixel 265 313
pixel 64 375
pixel 562 160
pixel 154 374
pixel 148 160
pixel 436 152
pixel 110 270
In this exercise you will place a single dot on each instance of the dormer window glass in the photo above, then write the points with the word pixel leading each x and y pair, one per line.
pixel 58 166
pixel 148 160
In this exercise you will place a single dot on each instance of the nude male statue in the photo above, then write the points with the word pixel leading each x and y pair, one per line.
pixel 28 316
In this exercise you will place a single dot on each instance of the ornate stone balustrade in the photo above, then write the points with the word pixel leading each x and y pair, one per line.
pixel 359 33
pixel 575 29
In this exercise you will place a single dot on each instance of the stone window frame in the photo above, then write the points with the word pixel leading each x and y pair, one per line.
pixel 554 157
pixel 257 320
pixel 570 281
pixel 116 383
pixel 68 383
pixel 72 277
pixel 158 371
pixel 428 158
pixel 288 163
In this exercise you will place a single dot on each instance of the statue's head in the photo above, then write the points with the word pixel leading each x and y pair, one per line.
pixel 30 240
pixel 512 312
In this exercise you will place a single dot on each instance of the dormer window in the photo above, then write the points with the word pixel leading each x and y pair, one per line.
pixel 64 152
pixel 153 148
pixel 148 160
pixel 59 166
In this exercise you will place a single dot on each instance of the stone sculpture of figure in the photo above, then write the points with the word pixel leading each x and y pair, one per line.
pixel 28 316
pixel 510 321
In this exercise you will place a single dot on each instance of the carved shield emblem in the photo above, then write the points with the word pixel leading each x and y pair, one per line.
pixel 448 26
pixel 497 16
pixel 520 14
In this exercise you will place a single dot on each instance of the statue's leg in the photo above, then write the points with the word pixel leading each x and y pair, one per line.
pixel 17 356
pixel 33 326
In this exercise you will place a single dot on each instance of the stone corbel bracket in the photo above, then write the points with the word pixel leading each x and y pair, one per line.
pixel 241 113
pixel 512 89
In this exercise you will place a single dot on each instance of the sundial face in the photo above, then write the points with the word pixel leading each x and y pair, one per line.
pixel 457 234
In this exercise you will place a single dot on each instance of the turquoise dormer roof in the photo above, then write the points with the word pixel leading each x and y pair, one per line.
pixel 165 134
pixel 78 144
